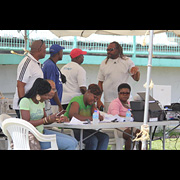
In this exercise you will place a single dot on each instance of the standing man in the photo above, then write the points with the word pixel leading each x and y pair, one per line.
pixel 28 71
pixel 115 70
pixel 52 72
pixel 75 76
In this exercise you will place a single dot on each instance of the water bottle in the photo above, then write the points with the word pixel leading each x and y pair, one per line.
pixel 168 113
pixel 128 115
pixel 95 117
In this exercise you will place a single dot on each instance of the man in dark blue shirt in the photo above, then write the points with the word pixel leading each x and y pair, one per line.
pixel 51 71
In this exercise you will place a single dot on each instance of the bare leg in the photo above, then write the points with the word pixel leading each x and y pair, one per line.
pixel 128 139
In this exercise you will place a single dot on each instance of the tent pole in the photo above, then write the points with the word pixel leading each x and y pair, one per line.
pixel 146 109
pixel 26 38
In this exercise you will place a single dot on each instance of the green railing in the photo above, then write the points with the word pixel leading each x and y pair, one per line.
pixel 98 48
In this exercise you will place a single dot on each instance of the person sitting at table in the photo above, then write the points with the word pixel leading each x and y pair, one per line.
pixel 48 109
pixel 32 109
pixel 120 106
pixel 82 108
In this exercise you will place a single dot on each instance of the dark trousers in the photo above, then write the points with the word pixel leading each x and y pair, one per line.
pixel 17 113
pixel 98 141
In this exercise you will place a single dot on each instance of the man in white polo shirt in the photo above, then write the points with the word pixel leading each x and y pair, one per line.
pixel 75 76
pixel 113 71
pixel 28 71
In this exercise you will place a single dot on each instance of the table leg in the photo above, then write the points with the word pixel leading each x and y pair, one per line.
pixel 150 141
pixel 81 139
pixel 62 130
pixel 131 136
pixel 164 127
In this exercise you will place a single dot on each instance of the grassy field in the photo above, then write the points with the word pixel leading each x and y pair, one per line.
pixel 170 144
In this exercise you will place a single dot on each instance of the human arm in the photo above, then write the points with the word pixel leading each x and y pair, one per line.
pixel 51 73
pixel 74 111
pixel 101 78
pixel 81 79
pixel 135 73
pixel 116 108
pixel 25 115
pixel 99 102
pixel 56 99
pixel 20 88
pixel 27 108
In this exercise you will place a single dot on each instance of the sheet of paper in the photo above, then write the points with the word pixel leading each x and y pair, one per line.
pixel 153 119
pixel 74 121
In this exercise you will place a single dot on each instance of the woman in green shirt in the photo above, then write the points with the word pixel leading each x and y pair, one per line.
pixel 32 109
pixel 82 108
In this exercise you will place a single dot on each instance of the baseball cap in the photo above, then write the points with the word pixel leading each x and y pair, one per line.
pixel 76 52
pixel 55 48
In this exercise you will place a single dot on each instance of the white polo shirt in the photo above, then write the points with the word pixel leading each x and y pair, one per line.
pixel 28 71
pixel 115 72
pixel 76 78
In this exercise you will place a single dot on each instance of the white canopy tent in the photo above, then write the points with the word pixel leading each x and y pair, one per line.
pixel 86 33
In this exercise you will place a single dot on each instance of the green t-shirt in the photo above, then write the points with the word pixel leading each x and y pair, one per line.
pixel 83 110
pixel 36 110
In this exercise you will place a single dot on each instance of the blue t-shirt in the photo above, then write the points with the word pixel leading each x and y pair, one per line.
pixel 51 71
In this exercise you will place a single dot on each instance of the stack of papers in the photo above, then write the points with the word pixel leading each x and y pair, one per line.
pixel 107 119
pixel 111 118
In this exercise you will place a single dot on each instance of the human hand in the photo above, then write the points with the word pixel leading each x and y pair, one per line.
pixel 99 104
pixel 63 119
pixel 134 70
pixel 52 118
pixel 101 118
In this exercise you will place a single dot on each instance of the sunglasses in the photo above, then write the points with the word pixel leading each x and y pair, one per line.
pixel 110 49
pixel 41 44
pixel 125 93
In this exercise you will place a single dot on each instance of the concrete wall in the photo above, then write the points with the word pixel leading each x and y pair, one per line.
pixel 160 76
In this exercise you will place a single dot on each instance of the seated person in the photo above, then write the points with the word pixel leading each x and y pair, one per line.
pixel 48 109
pixel 120 106
pixel 82 108
pixel 32 109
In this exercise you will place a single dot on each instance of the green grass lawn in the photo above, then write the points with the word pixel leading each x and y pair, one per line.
pixel 170 144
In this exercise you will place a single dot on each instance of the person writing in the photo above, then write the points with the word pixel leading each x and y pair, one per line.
pixel 82 108
pixel 120 106
pixel 32 109
pixel 114 70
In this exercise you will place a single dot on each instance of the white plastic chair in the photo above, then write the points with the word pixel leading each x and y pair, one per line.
pixel 115 141
pixel 3 138
pixel 17 130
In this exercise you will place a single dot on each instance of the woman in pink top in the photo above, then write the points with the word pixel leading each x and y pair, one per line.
pixel 120 106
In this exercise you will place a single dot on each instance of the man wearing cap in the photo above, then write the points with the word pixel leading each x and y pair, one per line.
pixel 51 71
pixel 75 76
